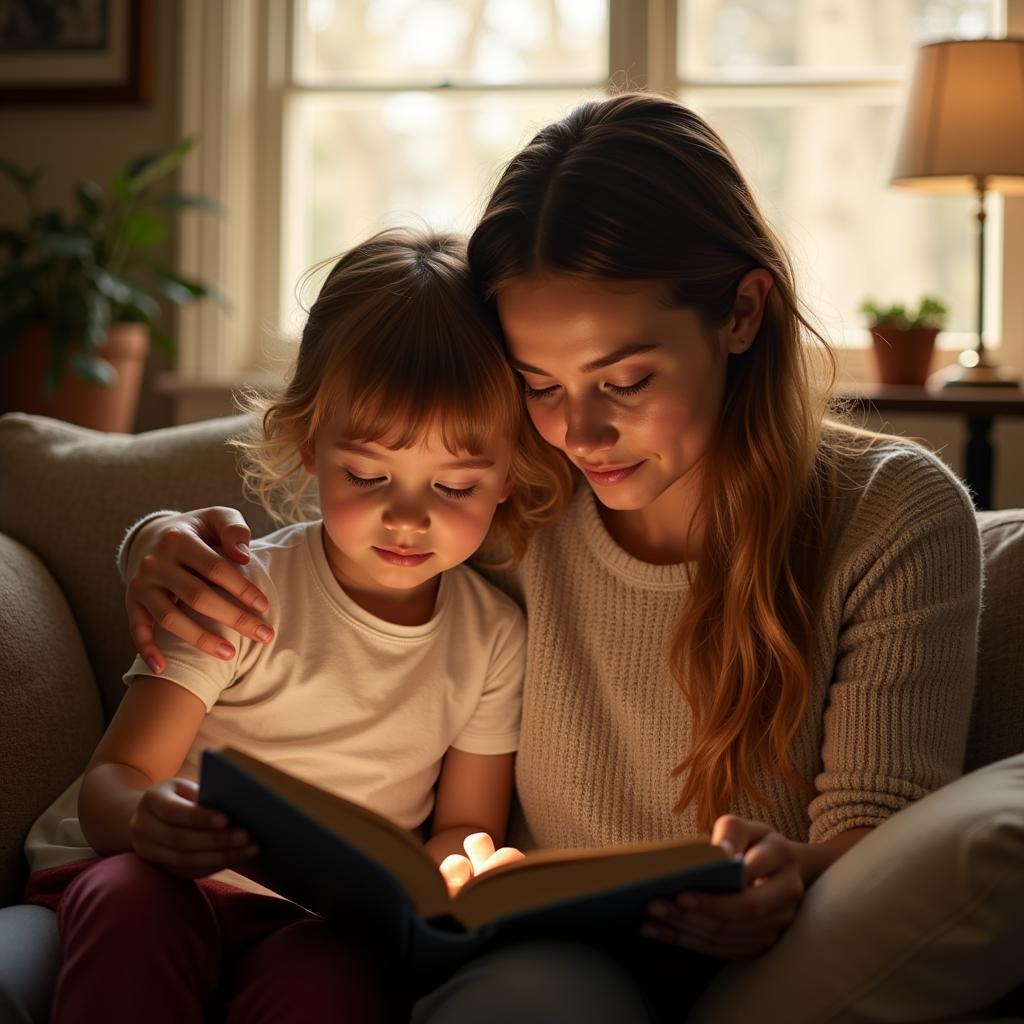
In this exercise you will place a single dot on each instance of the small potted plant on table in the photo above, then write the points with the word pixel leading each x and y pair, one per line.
pixel 78 294
pixel 904 339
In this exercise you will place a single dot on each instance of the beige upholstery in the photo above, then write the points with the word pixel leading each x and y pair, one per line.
pixel 68 494
pixel 997 723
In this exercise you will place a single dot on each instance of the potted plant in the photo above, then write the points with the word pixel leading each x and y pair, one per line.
pixel 78 303
pixel 904 339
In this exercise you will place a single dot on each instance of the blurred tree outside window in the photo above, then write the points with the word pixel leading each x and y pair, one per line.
pixel 405 111
pixel 808 95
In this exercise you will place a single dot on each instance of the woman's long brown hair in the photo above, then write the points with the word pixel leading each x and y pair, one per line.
pixel 638 187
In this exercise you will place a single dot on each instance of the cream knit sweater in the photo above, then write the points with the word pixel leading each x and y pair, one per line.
pixel 893 678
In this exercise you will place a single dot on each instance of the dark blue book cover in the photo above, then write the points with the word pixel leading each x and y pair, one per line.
pixel 346 863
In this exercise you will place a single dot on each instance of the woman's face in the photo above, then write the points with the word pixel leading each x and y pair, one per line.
pixel 629 387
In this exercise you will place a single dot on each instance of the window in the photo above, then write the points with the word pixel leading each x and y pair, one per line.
pixel 351 115
pixel 402 111
pixel 808 94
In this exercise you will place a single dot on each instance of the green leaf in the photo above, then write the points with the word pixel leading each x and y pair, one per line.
pixel 144 229
pixel 90 200
pixel 115 289
pixel 93 369
pixel 176 291
pixel 196 288
pixel 162 341
pixel 143 303
pixel 122 188
pixel 181 201
pixel 138 164
pixel 97 320
pixel 48 220
pixel 60 339
pixel 69 245
pixel 25 180
pixel 157 168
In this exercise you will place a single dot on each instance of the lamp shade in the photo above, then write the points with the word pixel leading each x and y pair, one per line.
pixel 964 117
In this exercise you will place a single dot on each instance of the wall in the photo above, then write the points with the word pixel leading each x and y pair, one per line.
pixel 74 142
pixel 94 141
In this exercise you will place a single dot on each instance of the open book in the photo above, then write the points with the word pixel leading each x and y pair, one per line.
pixel 344 861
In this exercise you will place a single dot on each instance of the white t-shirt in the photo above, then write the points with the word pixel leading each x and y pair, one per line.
pixel 361 707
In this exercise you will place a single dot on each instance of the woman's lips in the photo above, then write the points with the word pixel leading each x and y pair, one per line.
pixel 608 477
pixel 408 558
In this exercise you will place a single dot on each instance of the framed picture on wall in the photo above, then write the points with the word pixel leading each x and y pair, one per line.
pixel 76 51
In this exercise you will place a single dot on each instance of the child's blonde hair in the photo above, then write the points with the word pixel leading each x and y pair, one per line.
pixel 399 337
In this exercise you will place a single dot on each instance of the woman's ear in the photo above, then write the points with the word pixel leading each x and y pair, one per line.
pixel 506 490
pixel 748 311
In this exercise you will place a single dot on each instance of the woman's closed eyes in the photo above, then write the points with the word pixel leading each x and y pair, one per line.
pixel 626 390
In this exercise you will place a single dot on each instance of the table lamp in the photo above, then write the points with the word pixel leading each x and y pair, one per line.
pixel 963 129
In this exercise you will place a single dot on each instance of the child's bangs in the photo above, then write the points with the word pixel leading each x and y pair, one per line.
pixel 398 401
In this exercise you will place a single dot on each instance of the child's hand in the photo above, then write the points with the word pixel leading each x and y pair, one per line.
pixel 170 829
pixel 481 856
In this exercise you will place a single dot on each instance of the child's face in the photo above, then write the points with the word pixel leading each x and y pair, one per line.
pixel 395 519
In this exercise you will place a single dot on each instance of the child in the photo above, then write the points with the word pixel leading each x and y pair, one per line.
pixel 394 671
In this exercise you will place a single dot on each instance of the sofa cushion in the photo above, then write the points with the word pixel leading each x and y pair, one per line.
pixel 50 715
pixel 922 920
pixel 68 494
pixel 997 720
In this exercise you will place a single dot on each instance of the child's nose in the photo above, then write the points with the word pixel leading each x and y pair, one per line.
pixel 406 519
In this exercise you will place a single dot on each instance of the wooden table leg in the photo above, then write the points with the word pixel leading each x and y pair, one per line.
pixel 979 460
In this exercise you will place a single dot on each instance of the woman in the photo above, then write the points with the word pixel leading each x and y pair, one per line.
pixel 752 621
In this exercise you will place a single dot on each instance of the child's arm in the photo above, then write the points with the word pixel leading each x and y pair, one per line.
pixel 129 798
pixel 473 796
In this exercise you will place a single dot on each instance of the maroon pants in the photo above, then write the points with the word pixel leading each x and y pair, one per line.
pixel 142 944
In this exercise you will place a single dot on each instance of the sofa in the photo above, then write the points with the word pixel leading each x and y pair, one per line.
pixel 67 496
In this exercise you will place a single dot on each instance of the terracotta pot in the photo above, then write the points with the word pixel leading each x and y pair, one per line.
pixel 903 356
pixel 77 401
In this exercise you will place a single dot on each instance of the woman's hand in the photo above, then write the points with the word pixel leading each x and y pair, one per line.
pixel 736 924
pixel 169 829
pixel 170 562
pixel 480 857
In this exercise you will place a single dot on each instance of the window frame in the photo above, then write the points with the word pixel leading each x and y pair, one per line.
pixel 236 89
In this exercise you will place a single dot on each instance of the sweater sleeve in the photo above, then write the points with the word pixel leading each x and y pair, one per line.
pixel 899 702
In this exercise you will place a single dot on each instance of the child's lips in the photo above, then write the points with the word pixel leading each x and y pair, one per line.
pixel 407 557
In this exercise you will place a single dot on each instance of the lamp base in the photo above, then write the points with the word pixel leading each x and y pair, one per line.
pixel 980 376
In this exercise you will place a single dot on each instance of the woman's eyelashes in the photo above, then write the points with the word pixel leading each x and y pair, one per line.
pixel 624 390
pixel 632 389
pixel 456 493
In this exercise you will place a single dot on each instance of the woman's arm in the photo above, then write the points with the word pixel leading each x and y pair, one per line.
pixel 168 565
pixel 814 858
pixel 474 792
pixel 130 799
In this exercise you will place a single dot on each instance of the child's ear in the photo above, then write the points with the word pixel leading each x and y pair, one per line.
pixel 505 491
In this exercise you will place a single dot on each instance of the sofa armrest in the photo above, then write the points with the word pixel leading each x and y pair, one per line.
pixel 50 711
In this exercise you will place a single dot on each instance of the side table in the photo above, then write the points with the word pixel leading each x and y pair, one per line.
pixel 978 406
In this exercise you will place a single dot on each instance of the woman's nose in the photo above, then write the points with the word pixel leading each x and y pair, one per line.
pixel 587 428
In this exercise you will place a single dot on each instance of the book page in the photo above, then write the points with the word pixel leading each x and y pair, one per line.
pixel 553 875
